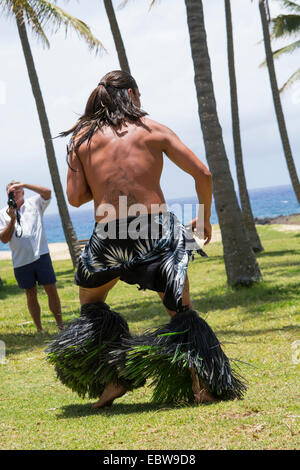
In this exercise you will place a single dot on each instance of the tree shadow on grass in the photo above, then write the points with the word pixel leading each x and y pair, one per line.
pixel 284 272
pixel 258 332
pixel 250 297
pixel 263 254
pixel 16 343
pixel 69 272
pixel 10 290
pixel 134 312
pixel 63 283
pixel 20 341
pixel 287 264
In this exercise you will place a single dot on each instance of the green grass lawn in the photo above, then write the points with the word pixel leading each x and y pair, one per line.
pixel 257 325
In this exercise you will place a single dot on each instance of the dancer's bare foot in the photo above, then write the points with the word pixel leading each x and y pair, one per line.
pixel 205 397
pixel 110 393
pixel 201 394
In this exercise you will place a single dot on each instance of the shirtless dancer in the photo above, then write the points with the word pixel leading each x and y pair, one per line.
pixel 126 159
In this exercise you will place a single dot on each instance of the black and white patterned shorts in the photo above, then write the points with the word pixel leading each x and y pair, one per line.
pixel 150 250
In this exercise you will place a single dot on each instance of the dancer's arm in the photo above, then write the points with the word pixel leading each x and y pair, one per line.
pixel 78 190
pixel 183 157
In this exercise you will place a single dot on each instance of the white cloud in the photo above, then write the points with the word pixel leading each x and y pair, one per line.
pixel 2 92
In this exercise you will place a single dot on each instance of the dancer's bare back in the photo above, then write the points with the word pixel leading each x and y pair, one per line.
pixel 127 162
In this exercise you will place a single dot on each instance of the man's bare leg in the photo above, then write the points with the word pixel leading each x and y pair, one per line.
pixel 34 307
pixel 201 394
pixel 185 297
pixel 54 304
pixel 89 296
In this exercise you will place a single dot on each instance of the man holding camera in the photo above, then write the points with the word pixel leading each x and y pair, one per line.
pixel 22 226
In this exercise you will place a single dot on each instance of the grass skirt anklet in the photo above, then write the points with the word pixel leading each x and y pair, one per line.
pixel 167 356
pixel 81 353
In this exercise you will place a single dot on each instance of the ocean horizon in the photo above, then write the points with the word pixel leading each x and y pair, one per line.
pixel 265 202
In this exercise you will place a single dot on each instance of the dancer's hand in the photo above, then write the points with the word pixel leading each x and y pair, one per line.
pixel 202 231
pixel 207 231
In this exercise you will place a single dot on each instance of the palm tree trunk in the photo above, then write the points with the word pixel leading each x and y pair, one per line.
pixel 243 191
pixel 263 5
pixel 117 35
pixel 69 231
pixel 240 263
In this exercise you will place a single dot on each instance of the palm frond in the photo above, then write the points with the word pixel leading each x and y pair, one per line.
pixel 8 6
pixel 283 50
pixel 123 4
pixel 39 14
pixel 295 77
pixel 23 12
pixel 291 6
pixel 285 25
pixel 53 16
pixel 290 48
pixel 152 3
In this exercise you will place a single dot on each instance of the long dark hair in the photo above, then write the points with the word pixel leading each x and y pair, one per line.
pixel 109 104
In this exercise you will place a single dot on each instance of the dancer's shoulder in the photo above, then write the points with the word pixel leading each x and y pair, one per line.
pixel 157 127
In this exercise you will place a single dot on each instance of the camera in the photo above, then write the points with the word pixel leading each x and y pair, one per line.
pixel 11 200
pixel 12 203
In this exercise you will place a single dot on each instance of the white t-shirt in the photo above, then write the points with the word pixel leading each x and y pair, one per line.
pixel 33 242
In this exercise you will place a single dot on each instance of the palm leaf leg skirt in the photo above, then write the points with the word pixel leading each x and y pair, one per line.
pixel 97 348
pixel 81 353
pixel 168 355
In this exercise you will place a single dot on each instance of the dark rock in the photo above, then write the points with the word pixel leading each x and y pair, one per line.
pixel 264 221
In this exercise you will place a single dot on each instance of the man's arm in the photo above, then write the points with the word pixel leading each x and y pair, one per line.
pixel 183 157
pixel 41 190
pixel 78 190
pixel 7 233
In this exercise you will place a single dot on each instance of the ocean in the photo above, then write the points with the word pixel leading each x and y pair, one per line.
pixel 266 202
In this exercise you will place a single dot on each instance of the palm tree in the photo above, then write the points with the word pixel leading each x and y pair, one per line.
pixel 37 13
pixel 244 196
pixel 263 8
pixel 283 26
pixel 117 35
pixel 240 263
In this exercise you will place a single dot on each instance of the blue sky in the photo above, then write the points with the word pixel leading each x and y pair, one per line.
pixel 158 48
